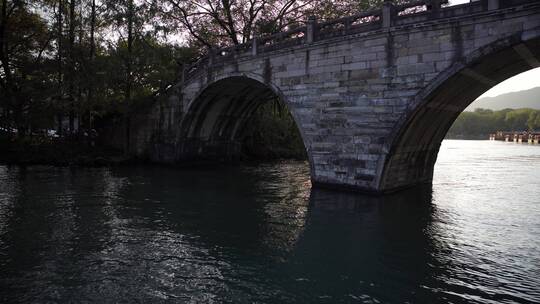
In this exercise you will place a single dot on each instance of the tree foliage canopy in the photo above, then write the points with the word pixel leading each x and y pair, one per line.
pixel 482 122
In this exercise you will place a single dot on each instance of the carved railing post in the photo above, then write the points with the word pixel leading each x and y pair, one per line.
pixel 348 23
pixel 183 74
pixel 311 29
pixel 493 5
pixel 254 45
pixel 211 55
pixel 280 37
pixel 434 6
pixel 388 11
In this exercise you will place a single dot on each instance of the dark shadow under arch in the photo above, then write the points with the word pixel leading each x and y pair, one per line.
pixel 413 148
pixel 216 119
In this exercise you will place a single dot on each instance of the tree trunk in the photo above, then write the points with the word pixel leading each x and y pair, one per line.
pixel 129 77
pixel 79 114
pixel 92 55
pixel 71 78
pixel 60 68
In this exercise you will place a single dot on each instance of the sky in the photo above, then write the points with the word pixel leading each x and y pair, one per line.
pixel 524 81
pixel 458 1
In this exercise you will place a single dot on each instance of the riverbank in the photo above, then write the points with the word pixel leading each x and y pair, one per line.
pixel 59 152
pixel 62 153
pixel 467 136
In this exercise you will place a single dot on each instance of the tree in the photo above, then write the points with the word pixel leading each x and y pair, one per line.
pixel 533 122
pixel 517 119
pixel 71 64
pixel 483 121
pixel 24 41
pixel 231 22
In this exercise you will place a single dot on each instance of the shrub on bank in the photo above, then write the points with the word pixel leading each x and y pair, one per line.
pixel 271 133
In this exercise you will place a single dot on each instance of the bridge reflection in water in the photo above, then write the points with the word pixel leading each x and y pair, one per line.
pixel 259 234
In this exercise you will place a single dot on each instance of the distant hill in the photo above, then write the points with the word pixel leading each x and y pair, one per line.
pixel 515 100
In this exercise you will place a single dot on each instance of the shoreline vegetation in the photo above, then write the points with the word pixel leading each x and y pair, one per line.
pixel 272 135
pixel 39 150
pixel 483 122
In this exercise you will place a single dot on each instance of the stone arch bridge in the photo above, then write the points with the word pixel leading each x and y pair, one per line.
pixel 373 94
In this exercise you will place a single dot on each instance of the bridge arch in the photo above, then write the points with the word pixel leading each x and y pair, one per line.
pixel 414 144
pixel 215 118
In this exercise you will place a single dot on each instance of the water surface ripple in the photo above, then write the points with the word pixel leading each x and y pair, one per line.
pixel 260 234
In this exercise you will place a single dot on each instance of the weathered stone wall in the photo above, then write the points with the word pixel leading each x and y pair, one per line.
pixel 372 107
